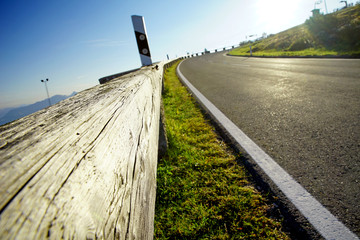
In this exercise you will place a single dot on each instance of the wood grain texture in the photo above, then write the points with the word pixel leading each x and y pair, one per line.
pixel 84 168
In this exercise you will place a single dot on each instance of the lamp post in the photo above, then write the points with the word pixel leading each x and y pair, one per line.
pixel 253 35
pixel 47 91
pixel 319 2
pixel 345 3
pixel 325 7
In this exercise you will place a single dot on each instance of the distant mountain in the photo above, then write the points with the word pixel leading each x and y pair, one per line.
pixel 4 111
pixel 19 112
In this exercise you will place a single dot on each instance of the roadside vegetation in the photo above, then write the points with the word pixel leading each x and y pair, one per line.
pixel 335 34
pixel 202 192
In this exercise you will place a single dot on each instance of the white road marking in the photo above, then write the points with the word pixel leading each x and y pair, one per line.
pixel 321 219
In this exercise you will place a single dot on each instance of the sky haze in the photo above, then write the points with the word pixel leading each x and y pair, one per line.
pixel 76 42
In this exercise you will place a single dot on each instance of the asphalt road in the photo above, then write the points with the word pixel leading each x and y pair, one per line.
pixel 305 113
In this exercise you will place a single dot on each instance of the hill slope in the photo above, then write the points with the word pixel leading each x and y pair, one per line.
pixel 335 34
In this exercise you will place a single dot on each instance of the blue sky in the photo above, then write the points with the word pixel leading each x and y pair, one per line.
pixel 76 42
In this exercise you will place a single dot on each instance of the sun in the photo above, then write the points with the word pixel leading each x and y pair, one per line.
pixel 276 13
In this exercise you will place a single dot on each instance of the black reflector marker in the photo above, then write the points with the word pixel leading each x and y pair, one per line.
pixel 141 39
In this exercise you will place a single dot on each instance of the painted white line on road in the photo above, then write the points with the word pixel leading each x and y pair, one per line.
pixel 322 220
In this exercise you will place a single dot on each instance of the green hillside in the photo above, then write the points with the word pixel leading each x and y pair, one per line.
pixel 335 34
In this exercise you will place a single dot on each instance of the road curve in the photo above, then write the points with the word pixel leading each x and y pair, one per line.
pixel 305 113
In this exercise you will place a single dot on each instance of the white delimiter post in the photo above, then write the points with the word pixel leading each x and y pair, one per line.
pixel 141 39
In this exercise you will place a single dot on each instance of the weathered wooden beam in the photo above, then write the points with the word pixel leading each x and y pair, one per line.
pixel 117 75
pixel 85 167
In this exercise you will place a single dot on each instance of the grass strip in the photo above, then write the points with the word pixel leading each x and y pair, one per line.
pixel 202 192
pixel 310 52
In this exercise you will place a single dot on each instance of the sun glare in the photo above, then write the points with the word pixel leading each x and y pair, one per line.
pixel 276 13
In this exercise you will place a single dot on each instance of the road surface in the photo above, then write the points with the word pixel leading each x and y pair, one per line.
pixel 305 113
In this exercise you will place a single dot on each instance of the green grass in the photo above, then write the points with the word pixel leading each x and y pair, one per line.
pixel 244 51
pixel 202 192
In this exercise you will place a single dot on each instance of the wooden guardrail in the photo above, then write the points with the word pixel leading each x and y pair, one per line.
pixel 84 168
pixel 117 75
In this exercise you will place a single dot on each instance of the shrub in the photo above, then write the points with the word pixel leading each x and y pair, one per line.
pixel 299 45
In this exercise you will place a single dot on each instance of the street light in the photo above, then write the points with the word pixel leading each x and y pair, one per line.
pixel 325 7
pixel 319 2
pixel 345 3
pixel 47 91
pixel 253 35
